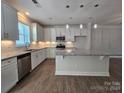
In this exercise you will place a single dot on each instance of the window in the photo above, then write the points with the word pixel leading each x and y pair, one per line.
pixel 24 35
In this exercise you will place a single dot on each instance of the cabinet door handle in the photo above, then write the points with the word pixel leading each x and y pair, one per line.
pixel 9 62
pixel 4 34
pixel 7 35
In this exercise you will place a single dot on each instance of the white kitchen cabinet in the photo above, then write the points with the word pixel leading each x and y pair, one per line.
pixel 105 39
pixel 40 33
pixel 84 31
pixel 53 34
pixel 2 22
pixel 75 30
pixel 51 52
pixel 37 57
pixel 47 34
pixel 42 55
pixel 34 60
pixel 9 74
pixel 9 23
pixel 116 39
pixel 69 35
pixel 37 33
pixel 60 31
pixel 96 42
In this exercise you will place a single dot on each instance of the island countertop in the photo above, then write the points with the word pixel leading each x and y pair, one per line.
pixel 84 52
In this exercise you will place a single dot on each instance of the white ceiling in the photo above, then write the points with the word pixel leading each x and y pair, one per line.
pixel 109 11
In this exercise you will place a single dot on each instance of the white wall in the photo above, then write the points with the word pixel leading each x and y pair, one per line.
pixel 107 38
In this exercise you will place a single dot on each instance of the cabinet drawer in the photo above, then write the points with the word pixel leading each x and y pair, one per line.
pixel 9 74
pixel 9 61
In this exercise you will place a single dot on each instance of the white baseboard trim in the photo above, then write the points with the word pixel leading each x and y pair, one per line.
pixel 82 73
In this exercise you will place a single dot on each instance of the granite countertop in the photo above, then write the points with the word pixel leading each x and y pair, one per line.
pixel 17 53
pixel 84 52
pixel 64 52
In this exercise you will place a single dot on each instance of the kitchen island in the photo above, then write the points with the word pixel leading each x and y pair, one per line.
pixel 83 62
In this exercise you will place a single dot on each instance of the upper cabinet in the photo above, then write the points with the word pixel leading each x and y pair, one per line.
pixel 47 34
pixel 79 32
pixel 60 31
pixel 53 34
pixel 9 23
pixel 37 33
pixel 69 35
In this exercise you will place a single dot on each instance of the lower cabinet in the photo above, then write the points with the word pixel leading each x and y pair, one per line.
pixel 9 74
pixel 51 52
pixel 37 57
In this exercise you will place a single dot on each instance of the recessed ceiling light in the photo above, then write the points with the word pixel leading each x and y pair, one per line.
pixel 95 26
pixel 27 13
pixel 34 1
pixel 96 5
pixel 67 6
pixel 81 6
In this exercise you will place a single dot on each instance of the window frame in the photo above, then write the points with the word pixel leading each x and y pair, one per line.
pixel 24 45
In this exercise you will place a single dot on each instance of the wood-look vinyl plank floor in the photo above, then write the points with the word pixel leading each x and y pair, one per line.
pixel 43 80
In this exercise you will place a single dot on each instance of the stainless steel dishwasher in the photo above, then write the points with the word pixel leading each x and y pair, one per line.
pixel 24 65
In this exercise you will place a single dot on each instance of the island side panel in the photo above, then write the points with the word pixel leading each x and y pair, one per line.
pixel 82 65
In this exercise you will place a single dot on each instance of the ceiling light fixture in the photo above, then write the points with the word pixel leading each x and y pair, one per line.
pixel 67 6
pixel 96 5
pixel 37 4
pixel 81 26
pixel 95 26
pixel 34 1
pixel 67 26
pixel 81 6
pixel 27 13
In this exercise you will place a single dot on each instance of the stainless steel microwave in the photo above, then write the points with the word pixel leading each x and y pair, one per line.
pixel 60 38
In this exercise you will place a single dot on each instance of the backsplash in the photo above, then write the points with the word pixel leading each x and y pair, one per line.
pixel 10 46
pixel 48 44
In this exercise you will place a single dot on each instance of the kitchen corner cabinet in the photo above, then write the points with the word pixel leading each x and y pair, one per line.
pixel 9 27
pixel 9 74
pixel 37 33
